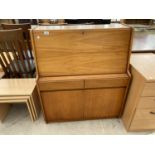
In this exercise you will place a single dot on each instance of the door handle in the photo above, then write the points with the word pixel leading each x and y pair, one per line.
pixel 152 112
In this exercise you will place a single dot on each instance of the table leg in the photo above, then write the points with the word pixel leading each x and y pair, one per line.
pixel 32 109
pixel 18 101
pixel 36 101
pixel 4 109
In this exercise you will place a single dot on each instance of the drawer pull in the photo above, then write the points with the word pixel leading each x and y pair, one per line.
pixel 152 113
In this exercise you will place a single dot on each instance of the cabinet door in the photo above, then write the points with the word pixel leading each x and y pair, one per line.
pixel 63 105
pixel 103 103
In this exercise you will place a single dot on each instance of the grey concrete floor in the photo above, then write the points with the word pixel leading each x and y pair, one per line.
pixel 18 122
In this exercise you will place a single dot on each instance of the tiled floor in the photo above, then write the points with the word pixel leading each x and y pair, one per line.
pixel 19 122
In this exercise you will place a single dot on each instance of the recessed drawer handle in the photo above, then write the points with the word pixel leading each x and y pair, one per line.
pixel 152 113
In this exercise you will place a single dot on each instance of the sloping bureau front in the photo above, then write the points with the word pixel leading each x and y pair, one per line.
pixel 82 51
pixel 82 70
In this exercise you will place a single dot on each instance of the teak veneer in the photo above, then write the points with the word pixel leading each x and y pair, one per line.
pixel 83 71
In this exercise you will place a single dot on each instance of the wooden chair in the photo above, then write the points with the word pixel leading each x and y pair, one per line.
pixel 14 57
pixel 31 21
pixel 88 21
pixel 25 28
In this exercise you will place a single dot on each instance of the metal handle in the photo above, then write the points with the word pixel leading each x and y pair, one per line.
pixel 152 113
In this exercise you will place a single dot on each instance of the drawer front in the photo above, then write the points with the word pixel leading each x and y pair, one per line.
pixel 63 105
pixel 144 119
pixel 103 103
pixel 107 82
pixel 146 102
pixel 60 85
pixel 149 89
pixel 144 114
pixel 143 124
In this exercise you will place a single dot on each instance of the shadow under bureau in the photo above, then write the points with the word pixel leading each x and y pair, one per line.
pixel 83 71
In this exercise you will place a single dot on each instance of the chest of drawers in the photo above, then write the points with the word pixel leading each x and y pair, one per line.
pixel 82 70
pixel 139 113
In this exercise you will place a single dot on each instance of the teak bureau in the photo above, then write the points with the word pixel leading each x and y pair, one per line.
pixel 83 71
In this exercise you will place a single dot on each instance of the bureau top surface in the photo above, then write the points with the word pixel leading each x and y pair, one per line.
pixel 12 87
pixel 80 27
pixel 144 63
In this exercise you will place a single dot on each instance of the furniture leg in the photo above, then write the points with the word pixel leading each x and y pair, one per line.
pixel 4 109
pixel 32 108
pixel 31 112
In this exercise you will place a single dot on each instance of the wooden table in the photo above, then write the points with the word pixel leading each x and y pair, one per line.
pixel 144 42
pixel 19 91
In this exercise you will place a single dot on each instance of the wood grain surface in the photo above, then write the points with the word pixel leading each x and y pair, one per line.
pixel 82 52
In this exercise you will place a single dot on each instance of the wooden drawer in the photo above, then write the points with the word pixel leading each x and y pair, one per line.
pixel 63 105
pixel 143 124
pixel 81 82
pixel 49 84
pixel 149 89
pixel 144 114
pixel 143 120
pixel 107 82
pixel 146 102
